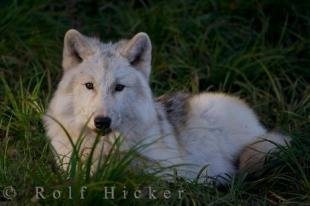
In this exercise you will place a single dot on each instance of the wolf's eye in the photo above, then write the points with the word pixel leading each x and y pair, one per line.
pixel 89 85
pixel 119 87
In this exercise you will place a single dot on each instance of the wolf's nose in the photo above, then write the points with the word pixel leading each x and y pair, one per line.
pixel 102 122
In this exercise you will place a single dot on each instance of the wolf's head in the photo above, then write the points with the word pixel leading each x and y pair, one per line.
pixel 107 84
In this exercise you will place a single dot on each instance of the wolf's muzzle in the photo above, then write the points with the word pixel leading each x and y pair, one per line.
pixel 102 122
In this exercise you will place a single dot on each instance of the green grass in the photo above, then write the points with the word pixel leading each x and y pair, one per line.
pixel 259 50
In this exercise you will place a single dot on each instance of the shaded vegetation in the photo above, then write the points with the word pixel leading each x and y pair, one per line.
pixel 259 50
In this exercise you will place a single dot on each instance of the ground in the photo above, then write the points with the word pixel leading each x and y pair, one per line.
pixel 259 50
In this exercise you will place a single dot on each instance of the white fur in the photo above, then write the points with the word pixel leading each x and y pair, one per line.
pixel 217 128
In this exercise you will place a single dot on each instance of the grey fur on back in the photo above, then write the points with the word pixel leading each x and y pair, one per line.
pixel 176 108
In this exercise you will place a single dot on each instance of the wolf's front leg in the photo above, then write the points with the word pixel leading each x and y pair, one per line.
pixel 65 154
pixel 97 153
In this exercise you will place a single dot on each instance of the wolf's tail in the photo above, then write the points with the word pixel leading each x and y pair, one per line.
pixel 253 155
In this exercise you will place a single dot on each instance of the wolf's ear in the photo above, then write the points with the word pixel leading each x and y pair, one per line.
pixel 76 49
pixel 138 51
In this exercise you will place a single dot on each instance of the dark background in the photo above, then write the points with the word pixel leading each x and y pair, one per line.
pixel 258 50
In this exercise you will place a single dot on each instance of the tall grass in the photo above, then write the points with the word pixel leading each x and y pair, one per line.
pixel 259 50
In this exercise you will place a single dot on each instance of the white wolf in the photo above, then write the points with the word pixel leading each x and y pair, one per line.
pixel 108 86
